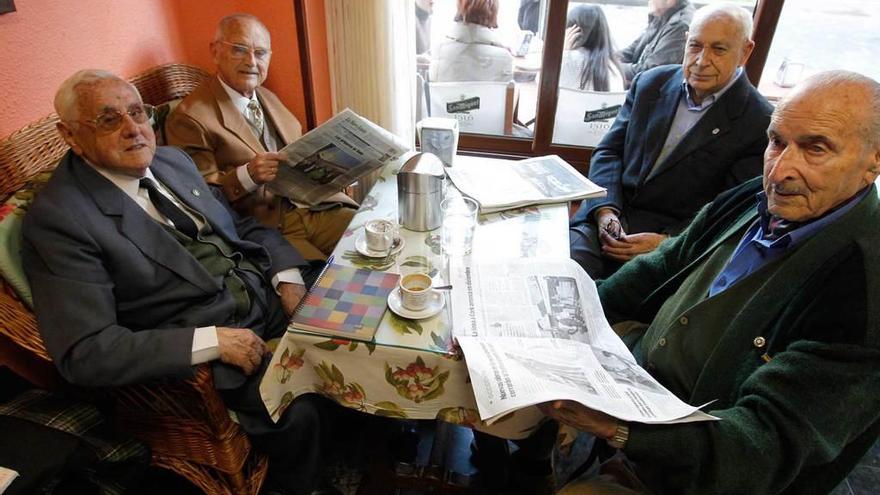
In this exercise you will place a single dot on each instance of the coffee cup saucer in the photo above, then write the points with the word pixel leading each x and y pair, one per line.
pixel 435 304
pixel 360 245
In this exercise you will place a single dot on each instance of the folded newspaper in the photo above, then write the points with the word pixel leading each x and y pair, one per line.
pixel 533 331
pixel 540 180
pixel 332 156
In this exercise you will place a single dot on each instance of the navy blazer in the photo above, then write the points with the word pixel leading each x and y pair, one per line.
pixel 117 297
pixel 724 149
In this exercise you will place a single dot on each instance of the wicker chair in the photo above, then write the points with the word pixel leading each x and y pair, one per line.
pixel 184 422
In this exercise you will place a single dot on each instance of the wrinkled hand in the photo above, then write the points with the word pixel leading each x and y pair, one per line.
pixel 609 225
pixel 630 245
pixel 264 167
pixel 580 417
pixel 572 36
pixel 241 347
pixel 291 294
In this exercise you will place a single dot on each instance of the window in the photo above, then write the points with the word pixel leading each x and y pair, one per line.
pixel 810 35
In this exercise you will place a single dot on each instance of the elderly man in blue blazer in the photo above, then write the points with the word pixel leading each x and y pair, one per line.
pixel 140 270
pixel 684 134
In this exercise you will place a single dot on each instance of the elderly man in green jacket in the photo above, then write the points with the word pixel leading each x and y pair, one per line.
pixel 772 311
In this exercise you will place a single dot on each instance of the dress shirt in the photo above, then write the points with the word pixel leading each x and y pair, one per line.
pixel 205 346
pixel 241 104
pixel 687 115
pixel 754 251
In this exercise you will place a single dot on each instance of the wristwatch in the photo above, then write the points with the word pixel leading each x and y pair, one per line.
pixel 621 435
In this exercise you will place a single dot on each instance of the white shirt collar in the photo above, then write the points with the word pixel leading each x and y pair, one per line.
pixel 239 100
pixel 127 183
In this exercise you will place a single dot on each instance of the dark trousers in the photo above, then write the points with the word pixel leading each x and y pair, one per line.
pixel 295 444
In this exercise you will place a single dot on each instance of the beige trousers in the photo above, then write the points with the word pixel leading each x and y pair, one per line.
pixel 315 233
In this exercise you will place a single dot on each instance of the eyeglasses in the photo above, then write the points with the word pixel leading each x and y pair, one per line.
pixel 111 120
pixel 237 51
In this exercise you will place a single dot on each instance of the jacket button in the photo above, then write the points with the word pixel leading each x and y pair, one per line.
pixel 662 342
pixel 759 342
pixel 683 320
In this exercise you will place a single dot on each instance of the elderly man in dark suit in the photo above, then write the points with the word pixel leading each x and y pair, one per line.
pixel 140 270
pixel 684 134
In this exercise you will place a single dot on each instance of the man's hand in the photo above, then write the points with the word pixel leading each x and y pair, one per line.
pixel 580 417
pixel 609 224
pixel 291 294
pixel 572 36
pixel 264 167
pixel 241 347
pixel 630 245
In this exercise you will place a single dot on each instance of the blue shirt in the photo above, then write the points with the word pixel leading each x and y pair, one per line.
pixel 687 115
pixel 754 251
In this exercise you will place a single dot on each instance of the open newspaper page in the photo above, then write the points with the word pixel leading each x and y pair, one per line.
pixel 533 331
pixel 332 156
pixel 540 180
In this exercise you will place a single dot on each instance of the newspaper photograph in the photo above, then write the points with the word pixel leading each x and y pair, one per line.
pixel 533 331
pixel 510 373
pixel 550 298
pixel 332 156
pixel 540 180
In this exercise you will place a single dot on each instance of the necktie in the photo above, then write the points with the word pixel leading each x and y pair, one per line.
pixel 256 116
pixel 165 206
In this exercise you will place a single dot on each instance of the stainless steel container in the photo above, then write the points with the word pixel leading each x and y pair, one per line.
pixel 419 192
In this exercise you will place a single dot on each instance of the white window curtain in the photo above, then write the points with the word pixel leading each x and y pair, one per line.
pixel 371 45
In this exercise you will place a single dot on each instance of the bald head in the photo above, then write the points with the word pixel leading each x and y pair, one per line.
pixel 738 18
pixel 67 97
pixel 823 145
pixel 235 21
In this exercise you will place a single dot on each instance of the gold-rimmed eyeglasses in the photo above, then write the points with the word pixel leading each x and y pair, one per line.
pixel 111 120
pixel 238 51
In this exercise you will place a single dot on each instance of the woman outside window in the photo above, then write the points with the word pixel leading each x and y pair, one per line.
pixel 589 62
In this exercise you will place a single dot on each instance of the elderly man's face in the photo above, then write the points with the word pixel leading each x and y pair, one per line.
pixel 714 50
pixel 242 56
pixel 817 156
pixel 128 149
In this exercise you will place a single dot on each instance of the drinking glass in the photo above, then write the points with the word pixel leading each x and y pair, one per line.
pixel 459 222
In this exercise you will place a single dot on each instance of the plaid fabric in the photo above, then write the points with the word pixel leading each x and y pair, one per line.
pixel 86 422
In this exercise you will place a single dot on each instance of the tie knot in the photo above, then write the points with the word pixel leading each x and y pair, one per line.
pixel 256 115
pixel 147 183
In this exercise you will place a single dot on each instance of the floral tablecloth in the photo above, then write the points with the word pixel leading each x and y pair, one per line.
pixel 411 369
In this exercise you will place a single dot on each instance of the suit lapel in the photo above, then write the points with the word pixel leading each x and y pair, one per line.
pixel 662 112
pixel 288 128
pixel 233 120
pixel 144 232
pixel 715 125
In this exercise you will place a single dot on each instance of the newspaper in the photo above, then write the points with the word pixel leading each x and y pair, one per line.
pixel 533 331
pixel 540 180
pixel 332 156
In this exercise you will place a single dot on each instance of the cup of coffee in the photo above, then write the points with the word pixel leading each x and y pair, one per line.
pixel 380 234
pixel 415 291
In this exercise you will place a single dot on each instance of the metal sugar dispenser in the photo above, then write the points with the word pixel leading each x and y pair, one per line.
pixel 419 192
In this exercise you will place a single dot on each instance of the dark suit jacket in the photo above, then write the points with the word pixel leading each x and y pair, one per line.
pixel 723 149
pixel 117 297
pixel 216 135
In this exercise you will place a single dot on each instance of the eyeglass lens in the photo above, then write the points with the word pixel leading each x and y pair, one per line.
pixel 112 120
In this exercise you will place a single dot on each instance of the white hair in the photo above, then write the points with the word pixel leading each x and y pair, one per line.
pixel 740 16
pixel 234 19
pixel 67 96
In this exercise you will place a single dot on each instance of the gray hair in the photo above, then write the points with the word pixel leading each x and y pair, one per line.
pixel 67 96
pixel 845 81
pixel 234 19
pixel 740 16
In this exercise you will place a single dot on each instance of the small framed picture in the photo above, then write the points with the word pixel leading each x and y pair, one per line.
pixel 439 136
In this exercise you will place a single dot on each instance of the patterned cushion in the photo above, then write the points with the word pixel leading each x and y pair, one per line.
pixel 11 216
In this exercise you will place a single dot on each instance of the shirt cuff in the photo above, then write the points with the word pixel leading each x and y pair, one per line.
pixel 245 178
pixel 205 346
pixel 290 276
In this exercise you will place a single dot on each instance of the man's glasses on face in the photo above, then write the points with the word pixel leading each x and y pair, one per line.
pixel 111 120
pixel 237 51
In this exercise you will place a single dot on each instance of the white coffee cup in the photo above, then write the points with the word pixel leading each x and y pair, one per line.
pixel 380 234
pixel 415 291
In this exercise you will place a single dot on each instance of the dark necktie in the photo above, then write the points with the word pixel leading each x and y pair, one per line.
pixel 165 206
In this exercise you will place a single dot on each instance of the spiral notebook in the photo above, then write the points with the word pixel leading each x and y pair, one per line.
pixel 346 302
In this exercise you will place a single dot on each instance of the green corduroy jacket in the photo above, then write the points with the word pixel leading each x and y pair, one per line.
pixel 798 422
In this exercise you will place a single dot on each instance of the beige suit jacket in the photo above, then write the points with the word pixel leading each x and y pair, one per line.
pixel 218 138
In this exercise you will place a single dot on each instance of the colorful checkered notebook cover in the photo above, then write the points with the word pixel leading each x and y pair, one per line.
pixel 347 302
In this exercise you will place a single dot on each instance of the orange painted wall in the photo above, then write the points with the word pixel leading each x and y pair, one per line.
pixel 47 40
pixel 316 22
